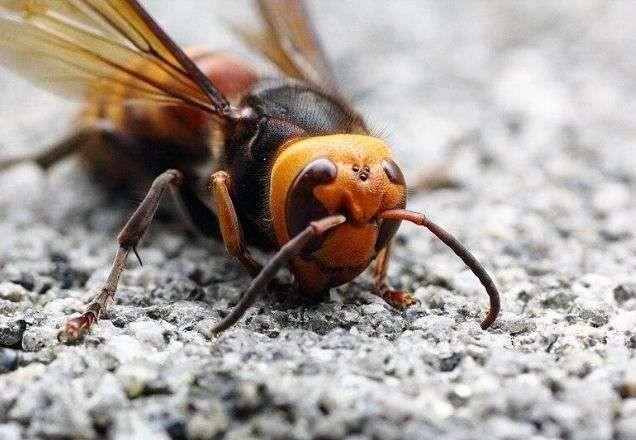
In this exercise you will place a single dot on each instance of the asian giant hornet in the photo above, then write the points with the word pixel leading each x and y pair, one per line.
pixel 293 168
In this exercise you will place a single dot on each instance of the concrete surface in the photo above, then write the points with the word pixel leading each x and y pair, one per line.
pixel 528 105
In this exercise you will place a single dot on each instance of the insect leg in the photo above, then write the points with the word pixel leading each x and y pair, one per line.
pixel 399 300
pixel 128 240
pixel 62 149
pixel 230 227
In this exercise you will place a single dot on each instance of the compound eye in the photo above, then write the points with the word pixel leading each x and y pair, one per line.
pixel 393 172
pixel 302 206
pixel 388 228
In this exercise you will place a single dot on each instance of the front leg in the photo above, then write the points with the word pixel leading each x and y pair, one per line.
pixel 231 230
pixel 128 240
pixel 399 300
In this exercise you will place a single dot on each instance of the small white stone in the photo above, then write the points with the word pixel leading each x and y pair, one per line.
pixel 125 348
pixel 611 196
pixel 624 322
pixel 372 309
pixel 134 377
pixel 149 332
pixel 10 431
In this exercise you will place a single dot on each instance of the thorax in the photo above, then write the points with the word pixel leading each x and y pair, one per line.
pixel 286 110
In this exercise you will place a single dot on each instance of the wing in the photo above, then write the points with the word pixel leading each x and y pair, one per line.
pixel 290 42
pixel 110 48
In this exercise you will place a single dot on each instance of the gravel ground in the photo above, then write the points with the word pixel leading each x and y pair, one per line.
pixel 530 109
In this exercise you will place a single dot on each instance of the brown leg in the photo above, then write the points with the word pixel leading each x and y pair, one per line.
pixel 230 227
pixel 399 300
pixel 128 240
pixel 61 149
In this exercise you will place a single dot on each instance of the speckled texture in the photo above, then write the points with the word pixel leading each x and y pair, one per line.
pixel 528 105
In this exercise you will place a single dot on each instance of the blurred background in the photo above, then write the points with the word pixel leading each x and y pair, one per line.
pixel 527 110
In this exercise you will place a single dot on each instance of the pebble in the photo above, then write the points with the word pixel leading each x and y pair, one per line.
pixel 13 292
pixel 11 332
pixel 107 400
pixel 625 292
pixel 514 324
pixel 37 338
pixel 597 313
pixel 373 308
pixel 149 332
pixel 209 422
pixel 624 322
pixel 125 348
pixel 8 360
pixel 135 377
pixel 611 196
pixel 439 328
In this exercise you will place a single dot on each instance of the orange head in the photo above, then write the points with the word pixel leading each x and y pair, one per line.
pixel 348 174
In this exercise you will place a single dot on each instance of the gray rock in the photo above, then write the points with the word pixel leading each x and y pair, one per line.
pixel 8 360
pixel 596 313
pixel 149 332
pixel 514 324
pixel 37 338
pixel 625 292
pixel 135 377
pixel 11 332
pixel 439 328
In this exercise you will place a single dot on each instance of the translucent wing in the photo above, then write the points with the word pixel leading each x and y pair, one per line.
pixel 290 42
pixel 110 49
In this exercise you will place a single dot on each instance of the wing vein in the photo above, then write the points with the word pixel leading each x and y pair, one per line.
pixel 110 50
